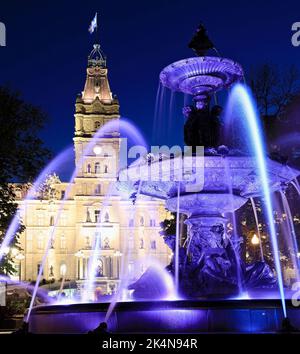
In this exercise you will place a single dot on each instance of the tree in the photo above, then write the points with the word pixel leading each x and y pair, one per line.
pixel 274 89
pixel 22 155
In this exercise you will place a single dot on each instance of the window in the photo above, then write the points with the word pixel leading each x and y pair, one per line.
pixel 88 216
pixel 105 169
pixel 62 194
pixel 131 242
pixel 97 216
pixel 152 222
pixel 87 242
pixel 106 243
pixel 40 220
pixel 63 242
pixel 98 189
pixel 89 168
pixel 142 221
pixel 153 245
pixel 40 242
pixel 97 167
pixel 141 243
pixel 52 220
pixel 39 266
pixel 97 125
pixel 106 217
pixel 99 268
pixel 63 219
pixel 130 268
pixel 63 270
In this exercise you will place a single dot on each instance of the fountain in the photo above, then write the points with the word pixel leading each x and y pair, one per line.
pixel 206 185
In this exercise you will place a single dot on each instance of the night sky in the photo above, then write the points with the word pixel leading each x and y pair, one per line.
pixel 48 43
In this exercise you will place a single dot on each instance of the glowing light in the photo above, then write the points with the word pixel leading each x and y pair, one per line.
pixel 97 150
pixel 255 240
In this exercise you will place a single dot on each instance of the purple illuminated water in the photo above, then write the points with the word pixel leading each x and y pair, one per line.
pixel 177 240
pixel 92 262
pixel 109 128
pixel 291 234
pixel 241 99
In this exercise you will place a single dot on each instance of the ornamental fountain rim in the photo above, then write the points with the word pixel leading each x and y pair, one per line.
pixel 201 75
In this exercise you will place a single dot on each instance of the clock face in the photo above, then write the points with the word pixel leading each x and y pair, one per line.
pixel 97 150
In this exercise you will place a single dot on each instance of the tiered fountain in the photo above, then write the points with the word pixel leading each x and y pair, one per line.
pixel 205 188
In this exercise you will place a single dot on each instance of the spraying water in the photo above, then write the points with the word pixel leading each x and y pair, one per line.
pixel 294 252
pixel 112 126
pixel 92 263
pixel 235 235
pixel 123 280
pixel 241 97
pixel 177 240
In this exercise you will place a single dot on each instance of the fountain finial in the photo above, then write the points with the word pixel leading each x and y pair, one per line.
pixel 200 42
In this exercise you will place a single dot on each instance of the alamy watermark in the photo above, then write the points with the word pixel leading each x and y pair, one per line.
pixel 296 34
pixel 163 164
pixel 2 35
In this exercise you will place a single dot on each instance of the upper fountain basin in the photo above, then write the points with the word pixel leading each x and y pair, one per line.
pixel 201 174
pixel 200 76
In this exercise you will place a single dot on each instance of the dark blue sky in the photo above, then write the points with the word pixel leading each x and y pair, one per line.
pixel 48 44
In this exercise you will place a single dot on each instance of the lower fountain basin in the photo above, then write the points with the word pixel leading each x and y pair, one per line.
pixel 181 316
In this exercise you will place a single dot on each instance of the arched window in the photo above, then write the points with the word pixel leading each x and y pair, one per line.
pixel 142 221
pixel 106 243
pixel 51 220
pixel 106 217
pixel 97 125
pixel 105 169
pixel 97 167
pixel 99 268
pixel 40 242
pixel 89 168
pixel 39 266
pixel 98 189
pixel 63 269
pixel 141 243
pixel 153 245
pixel 63 242
pixel 97 216
pixel 152 222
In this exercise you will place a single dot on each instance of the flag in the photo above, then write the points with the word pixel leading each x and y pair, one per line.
pixel 93 24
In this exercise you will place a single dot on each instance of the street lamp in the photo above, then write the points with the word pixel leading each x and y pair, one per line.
pixel 255 240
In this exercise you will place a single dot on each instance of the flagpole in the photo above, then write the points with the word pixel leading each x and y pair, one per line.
pixel 97 39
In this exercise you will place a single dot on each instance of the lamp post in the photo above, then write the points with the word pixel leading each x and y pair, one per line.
pixel 255 242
